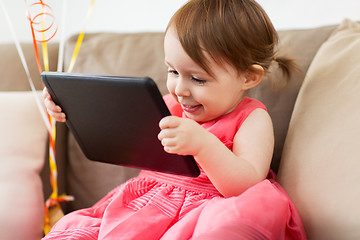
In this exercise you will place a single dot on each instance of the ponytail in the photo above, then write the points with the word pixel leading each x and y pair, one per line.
pixel 288 67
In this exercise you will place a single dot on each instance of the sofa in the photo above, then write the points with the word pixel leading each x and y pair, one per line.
pixel 315 115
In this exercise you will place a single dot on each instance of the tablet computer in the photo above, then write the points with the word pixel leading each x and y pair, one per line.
pixel 115 119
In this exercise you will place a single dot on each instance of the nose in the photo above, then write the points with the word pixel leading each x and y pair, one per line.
pixel 181 88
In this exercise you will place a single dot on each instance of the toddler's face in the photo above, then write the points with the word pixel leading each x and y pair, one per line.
pixel 202 97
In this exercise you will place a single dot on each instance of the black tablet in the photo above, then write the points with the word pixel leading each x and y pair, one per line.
pixel 115 120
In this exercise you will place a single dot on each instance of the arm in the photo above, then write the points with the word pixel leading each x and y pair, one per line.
pixel 231 172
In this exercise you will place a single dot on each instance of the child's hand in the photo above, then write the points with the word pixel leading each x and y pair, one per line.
pixel 181 135
pixel 53 109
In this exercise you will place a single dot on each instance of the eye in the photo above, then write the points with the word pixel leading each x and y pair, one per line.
pixel 172 71
pixel 198 80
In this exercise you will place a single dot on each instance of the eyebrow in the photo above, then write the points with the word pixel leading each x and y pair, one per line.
pixel 167 63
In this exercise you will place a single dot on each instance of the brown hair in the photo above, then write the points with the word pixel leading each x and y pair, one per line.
pixel 238 32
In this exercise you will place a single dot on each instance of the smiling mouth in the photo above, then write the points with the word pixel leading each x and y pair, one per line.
pixel 190 108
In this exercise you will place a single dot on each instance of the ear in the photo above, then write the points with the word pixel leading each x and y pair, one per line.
pixel 253 76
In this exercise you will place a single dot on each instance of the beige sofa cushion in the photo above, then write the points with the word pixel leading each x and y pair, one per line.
pixel 22 146
pixel 302 45
pixel 320 163
pixel 133 54
pixel 13 71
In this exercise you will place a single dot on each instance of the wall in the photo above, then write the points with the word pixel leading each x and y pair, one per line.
pixel 146 15
pixel 287 14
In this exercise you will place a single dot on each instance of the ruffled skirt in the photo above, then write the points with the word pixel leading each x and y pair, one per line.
pixel 162 206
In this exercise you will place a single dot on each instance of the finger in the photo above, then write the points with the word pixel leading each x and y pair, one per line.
pixel 161 135
pixel 168 150
pixel 168 142
pixel 46 94
pixel 169 122
pixel 51 106
pixel 166 133
pixel 172 150
pixel 60 117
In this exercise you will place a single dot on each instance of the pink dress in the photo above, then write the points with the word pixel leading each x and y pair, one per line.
pixel 163 206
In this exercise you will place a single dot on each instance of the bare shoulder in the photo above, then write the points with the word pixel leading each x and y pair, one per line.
pixel 257 125
pixel 257 117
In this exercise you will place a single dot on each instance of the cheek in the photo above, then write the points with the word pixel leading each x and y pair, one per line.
pixel 170 84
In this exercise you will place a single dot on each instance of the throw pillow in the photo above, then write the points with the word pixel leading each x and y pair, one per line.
pixel 22 152
pixel 320 163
